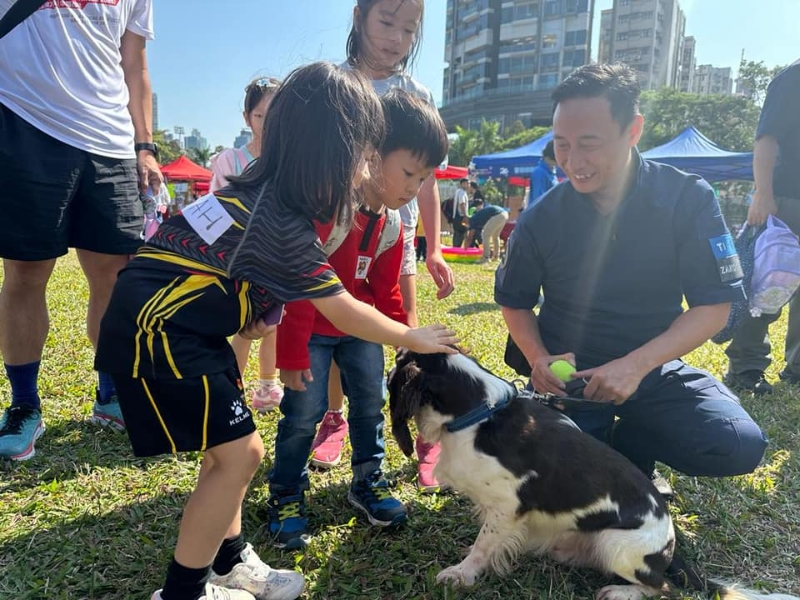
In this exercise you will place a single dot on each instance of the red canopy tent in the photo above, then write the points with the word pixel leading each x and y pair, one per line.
pixel 183 169
pixel 451 172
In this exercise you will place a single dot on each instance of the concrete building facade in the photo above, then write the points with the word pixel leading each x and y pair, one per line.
pixel 649 36
pixel 506 56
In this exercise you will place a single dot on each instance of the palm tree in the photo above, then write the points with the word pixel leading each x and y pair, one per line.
pixel 200 155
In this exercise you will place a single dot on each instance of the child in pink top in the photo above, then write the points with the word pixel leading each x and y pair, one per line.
pixel 232 161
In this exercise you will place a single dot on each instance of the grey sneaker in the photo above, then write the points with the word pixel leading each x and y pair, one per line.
pixel 108 414
pixel 256 577
pixel 214 592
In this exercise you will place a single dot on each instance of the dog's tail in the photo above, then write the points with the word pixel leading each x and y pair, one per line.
pixel 683 575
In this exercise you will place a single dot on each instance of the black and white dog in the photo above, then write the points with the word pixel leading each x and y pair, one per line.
pixel 538 482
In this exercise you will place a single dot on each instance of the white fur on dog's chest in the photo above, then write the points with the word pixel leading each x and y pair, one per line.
pixel 478 475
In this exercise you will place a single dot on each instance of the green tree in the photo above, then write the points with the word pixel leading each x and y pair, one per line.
pixel 463 147
pixel 754 78
pixel 200 155
pixel 488 139
pixel 729 121
pixel 526 136
pixel 168 150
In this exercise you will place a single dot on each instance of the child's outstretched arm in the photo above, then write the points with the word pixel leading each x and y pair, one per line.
pixel 365 322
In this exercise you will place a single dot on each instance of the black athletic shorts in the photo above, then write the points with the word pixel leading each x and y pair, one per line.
pixel 165 416
pixel 55 196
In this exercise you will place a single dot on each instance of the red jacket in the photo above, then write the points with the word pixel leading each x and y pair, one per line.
pixel 374 281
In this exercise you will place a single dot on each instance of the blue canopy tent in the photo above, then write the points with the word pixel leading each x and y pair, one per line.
pixel 519 161
pixel 693 152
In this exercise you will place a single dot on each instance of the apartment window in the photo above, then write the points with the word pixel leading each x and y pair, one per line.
pixel 470 8
pixel 622 36
pixel 475 56
pixel 624 2
pixel 518 45
pixel 472 74
pixel 575 38
pixel 473 28
pixel 516 84
pixel 520 12
pixel 577 6
pixel 549 40
pixel 547 82
pixel 552 8
pixel 517 65
pixel 550 61
pixel 574 58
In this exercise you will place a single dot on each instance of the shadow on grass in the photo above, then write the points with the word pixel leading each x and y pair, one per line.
pixel 473 308
pixel 117 555
pixel 67 450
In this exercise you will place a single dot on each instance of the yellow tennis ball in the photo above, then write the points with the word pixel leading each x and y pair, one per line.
pixel 562 369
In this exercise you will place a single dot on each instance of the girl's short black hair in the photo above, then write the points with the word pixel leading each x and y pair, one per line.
pixel 320 123
pixel 355 44
pixel 413 124
pixel 256 90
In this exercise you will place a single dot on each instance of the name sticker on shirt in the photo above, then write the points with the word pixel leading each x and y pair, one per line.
pixel 208 218
pixel 727 259
pixel 362 266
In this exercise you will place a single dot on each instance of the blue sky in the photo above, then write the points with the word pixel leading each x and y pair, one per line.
pixel 204 56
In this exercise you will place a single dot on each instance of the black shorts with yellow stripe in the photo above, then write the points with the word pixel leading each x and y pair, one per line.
pixel 183 415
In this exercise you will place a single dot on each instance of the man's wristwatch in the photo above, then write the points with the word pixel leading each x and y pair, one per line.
pixel 149 146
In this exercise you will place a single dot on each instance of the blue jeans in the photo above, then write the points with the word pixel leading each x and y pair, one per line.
pixel 361 364
pixel 682 417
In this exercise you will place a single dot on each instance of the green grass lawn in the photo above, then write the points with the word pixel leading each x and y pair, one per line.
pixel 85 519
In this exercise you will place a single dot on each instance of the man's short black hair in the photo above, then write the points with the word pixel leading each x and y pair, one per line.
pixel 549 151
pixel 463 180
pixel 616 81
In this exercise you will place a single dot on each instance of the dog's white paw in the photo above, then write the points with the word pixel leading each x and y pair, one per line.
pixel 621 592
pixel 458 576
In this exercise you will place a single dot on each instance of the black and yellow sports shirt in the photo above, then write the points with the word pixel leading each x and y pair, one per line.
pixel 205 274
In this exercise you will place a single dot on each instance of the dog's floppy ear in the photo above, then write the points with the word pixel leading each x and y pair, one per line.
pixel 405 395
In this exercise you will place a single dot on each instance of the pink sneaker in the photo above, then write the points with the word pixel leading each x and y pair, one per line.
pixel 326 451
pixel 267 397
pixel 428 455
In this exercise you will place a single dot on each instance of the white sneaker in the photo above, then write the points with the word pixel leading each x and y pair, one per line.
pixel 214 592
pixel 258 578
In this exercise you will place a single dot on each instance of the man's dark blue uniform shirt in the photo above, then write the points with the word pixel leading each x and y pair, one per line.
pixel 614 282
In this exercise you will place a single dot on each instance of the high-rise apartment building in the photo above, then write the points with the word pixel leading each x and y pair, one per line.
pixel 196 140
pixel 688 64
pixel 245 137
pixel 605 49
pixel 155 111
pixel 711 80
pixel 647 35
pixel 505 57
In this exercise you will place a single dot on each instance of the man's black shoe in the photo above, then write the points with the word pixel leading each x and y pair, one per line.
pixel 789 377
pixel 749 381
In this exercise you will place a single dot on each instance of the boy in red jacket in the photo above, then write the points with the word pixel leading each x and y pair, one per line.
pixel 367 259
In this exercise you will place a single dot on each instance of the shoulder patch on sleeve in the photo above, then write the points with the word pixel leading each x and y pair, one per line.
pixel 727 259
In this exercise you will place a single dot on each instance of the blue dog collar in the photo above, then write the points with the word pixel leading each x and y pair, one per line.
pixel 479 414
